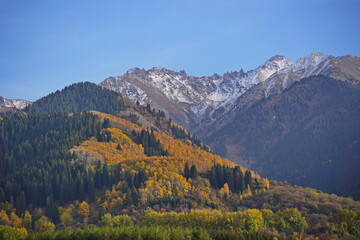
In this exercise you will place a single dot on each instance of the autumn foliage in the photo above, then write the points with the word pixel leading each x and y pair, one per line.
pixel 110 151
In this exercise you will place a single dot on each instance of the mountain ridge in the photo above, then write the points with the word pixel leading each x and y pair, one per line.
pixel 201 103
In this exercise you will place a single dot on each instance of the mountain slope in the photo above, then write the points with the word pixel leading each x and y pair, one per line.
pixel 308 135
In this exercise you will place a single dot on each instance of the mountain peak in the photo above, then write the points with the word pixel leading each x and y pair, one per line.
pixel 134 70
pixel 316 57
pixel 277 58
pixel 277 62
pixel 317 54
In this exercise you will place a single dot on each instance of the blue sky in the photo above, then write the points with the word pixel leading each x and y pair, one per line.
pixel 46 45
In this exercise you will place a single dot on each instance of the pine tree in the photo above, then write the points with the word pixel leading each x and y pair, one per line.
pixel 20 204
pixel 248 179
pixel 106 123
pixel 213 177
pixel 193 172
pixel 118 147
pixel 129 198
pixel 187 171
pixel 148 108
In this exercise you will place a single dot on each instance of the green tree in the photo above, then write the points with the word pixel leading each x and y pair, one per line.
pixel 290 220
pixel 253 220
pixel 248 178
pixel 116 221
pixel 20 204
pixel 187 171
pixel 193 172
pixel 350 219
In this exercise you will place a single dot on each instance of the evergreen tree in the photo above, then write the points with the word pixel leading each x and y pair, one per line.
pixel 187 171
pixel 213 181
pixel 118 147
pixel 106 123
pixel 248 178
pixel 193 172
pixel 20 204
pixel 129 198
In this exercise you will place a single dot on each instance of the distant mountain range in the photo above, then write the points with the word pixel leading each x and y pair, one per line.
pixel 305 133
pixel 205 104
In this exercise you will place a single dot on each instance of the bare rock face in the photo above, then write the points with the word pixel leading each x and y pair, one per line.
pixel 205 104
pixel 14 103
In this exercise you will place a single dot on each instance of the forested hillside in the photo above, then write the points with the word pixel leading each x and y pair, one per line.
pixel 70 170
pixel 308 135
pixel 79 97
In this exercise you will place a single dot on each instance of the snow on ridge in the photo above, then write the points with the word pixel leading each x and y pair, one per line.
pixel 14 103
pixel 305 63
pixel 203 95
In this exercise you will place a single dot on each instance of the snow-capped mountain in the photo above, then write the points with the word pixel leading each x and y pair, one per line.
pixel 13 103
pixel 200 102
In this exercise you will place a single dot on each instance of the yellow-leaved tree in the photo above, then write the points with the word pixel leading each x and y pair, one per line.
pixel 225 190
pixel 84 211
pixel 164 184
pixel 4 218
pixel 66 217
pixel 43 224
pixel 27 220
pixel 15 221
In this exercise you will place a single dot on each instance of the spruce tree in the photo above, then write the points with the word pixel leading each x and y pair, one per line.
pixel 187 171
pixel 248 178
pixel 193 172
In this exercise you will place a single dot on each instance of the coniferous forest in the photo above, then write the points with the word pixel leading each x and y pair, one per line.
pixel 79 97
pixel 70 173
